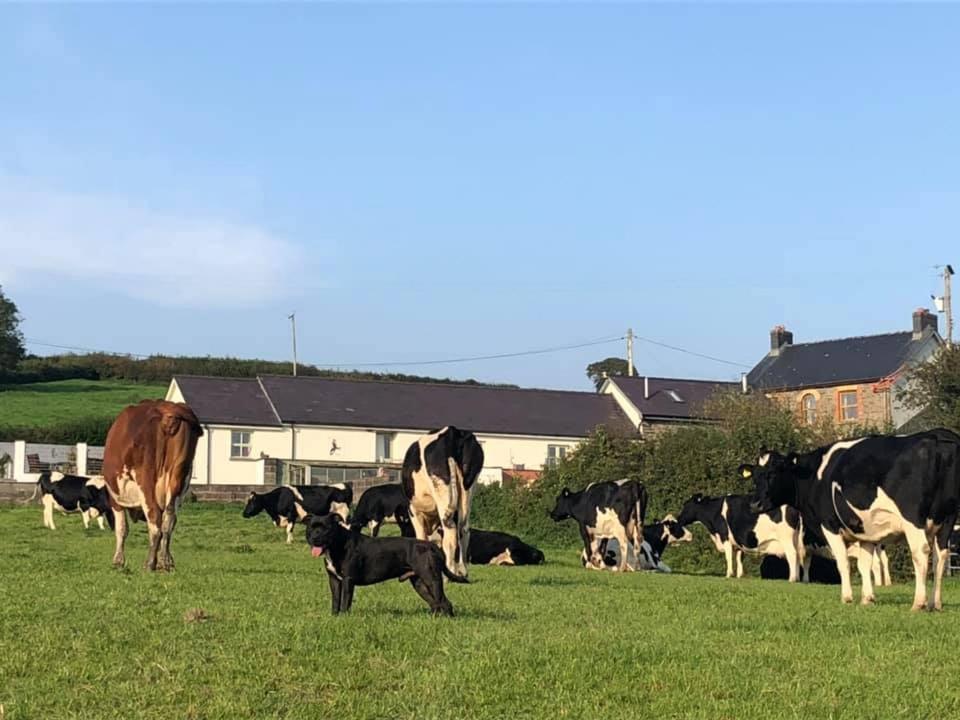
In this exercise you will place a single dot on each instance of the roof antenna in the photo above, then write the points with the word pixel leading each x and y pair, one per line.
pixel 292 317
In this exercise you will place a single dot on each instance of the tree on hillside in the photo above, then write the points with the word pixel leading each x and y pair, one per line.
pixel 609 367
pixel 11 339
pixel 933 389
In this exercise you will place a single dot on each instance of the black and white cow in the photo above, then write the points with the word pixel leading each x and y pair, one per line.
pixel 736 528
pixel 73 493
pixel 868 490
pixel 382 504
pixel 438 476
pixel 815 546
pixel 657 536
pixel 289 503
pixel 488 547
pixel 606 510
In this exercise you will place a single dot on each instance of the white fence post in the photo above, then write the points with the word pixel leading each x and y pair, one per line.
pixel 19 460
pixel 81 458
pixel 261 471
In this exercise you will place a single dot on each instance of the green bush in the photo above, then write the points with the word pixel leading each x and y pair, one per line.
pixel 89 430
pixel 160 368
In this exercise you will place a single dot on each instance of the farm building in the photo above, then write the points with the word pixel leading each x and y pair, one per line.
pixel 848 380
pixel 274 429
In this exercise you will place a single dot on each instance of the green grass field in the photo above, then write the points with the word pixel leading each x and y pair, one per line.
pixel 42 404
pixel 79 639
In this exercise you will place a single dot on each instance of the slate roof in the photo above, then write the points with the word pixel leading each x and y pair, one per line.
pixel 836 362
pixel 227 401
pixel 671 398
pixel 416 406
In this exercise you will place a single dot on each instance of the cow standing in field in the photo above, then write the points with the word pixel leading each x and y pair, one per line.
pixel 605 510
pixel 871 489
pixel 439 472
pixel 657 536
pixel 73 493
pixel 382 504
pixel 287 504
pixel 815 546
pixel 146 467
pixel 736 528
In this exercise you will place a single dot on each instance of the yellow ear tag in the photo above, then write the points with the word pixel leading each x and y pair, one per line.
pixel 746 472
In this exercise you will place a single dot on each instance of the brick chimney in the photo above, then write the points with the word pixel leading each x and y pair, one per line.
pixel 923 319
pixel 780 337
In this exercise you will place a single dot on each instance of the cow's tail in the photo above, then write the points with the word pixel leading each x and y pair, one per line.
pixel 452 576
pixel 43 484
pixel 456 486
pixel 641 510
pixel 36 490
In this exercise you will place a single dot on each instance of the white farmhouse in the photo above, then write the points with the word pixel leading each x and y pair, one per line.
pixel 271 429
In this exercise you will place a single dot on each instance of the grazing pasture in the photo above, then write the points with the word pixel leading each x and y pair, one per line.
pixel 49 403
pixel 243 628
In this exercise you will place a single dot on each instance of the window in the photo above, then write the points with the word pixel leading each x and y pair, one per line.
pixel 240 444
pixel 848 407
pixel 808 406
pixel 297 474
pixel 384 445
pixel 555 453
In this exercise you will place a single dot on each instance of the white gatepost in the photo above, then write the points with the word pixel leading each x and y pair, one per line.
pixel 20 460
pixel 82 459
pixel 261 471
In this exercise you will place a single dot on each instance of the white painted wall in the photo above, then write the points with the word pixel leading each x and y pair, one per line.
pixel 354 445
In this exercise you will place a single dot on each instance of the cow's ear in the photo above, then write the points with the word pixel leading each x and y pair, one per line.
pixel 170 424
pixel 745 471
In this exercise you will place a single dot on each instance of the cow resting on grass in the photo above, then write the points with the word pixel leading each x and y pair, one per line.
pixel 146 467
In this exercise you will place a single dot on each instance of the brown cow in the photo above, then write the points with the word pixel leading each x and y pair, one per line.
pixel 146 466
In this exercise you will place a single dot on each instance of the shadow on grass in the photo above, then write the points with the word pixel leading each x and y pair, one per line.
pixel 460 612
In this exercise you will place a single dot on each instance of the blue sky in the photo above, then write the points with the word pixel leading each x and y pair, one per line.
pixel 430 181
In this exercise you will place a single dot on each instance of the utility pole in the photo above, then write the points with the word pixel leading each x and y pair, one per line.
pixel 947 303
pixel 292 317
pixel 629 352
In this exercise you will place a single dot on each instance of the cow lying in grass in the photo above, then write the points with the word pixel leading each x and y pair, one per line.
pixel 353 559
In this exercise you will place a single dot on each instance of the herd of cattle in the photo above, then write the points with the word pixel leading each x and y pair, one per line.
pixel 839 501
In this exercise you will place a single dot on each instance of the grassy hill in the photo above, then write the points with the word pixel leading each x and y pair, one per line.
pixel 68 408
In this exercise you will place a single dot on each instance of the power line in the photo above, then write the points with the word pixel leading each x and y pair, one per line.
pixel 447 361
pixel 691 352
pixel 83 349
pixel 498 356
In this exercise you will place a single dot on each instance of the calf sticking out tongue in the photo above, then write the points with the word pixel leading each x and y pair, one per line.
pixel 316 551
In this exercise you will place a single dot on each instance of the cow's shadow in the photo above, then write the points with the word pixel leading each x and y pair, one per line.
pixel 460 612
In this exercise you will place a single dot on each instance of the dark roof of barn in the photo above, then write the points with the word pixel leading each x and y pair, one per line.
pixel 670 398
pixel 853 360
pixel 417 406
pixel 226 400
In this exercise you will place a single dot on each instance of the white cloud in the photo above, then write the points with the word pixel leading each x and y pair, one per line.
pixel 145 253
